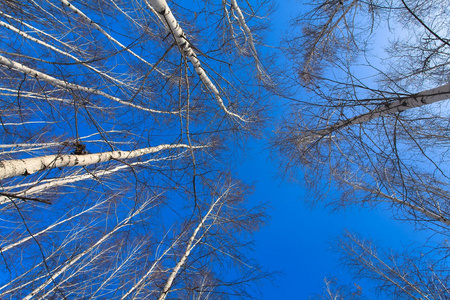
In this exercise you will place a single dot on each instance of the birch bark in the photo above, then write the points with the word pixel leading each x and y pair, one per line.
pixel 389 270
pixel 186 49
pixel 140 284
pixel 31 38
pixel 28 166
pixel 251 42
pixel 435 215
pixel 57 182
pixel 420 99
pixel 192 243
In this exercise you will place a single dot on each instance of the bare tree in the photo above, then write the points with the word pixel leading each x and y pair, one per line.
pixel 379 134
pixel 406 275
pixel 115 119
pixel 373 126
pixel 105 256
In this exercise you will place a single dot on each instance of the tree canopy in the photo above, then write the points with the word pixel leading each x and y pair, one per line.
pixel 117 118
pixel 374 126
pixel 121 122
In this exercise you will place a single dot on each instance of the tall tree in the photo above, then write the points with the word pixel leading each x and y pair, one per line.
pixel 377 127
pixel 115 121
pixel 372 124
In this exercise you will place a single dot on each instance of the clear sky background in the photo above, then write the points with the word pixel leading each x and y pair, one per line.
pixel 297 239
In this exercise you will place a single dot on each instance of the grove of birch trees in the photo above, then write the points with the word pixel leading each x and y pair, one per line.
pixel 374 126
pixel 117 120
pixel 121 122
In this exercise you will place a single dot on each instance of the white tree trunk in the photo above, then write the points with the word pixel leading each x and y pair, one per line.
pixel 25 94
pixel 117 270
pixel 190 245
pixel 28 166
pixel 55 182
pixel 391 274
pixel 434 215
pixel 66 85
pixel 251 42
pixel 193 241
pixel 31 38
pixel 174 27
pixel 420 99
pixel 423 98
pixel 140 284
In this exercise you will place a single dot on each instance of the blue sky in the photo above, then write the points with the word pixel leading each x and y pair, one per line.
pixel 297 239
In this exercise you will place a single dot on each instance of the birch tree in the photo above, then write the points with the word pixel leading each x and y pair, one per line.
pixel 367 126
pixel 373 128
pixel 116 117
pixel 411 274
pixel 111 257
